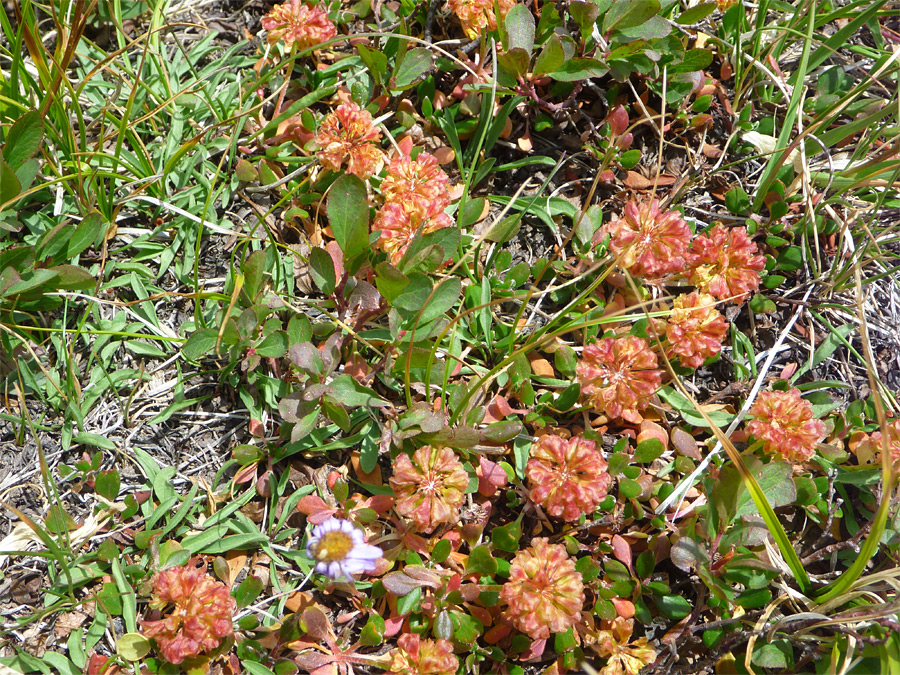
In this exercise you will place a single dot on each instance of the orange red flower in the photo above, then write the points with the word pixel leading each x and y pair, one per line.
pixel 568 477
pixel 427 657
pixel 784 422
pixel 298 23
pixel 349 136
pixel 545 592
pixel 200 617
pixel 477 16
pixel 429 487
pixel 725 264
pixel 695 329
pixel 618 376
pixel 649 242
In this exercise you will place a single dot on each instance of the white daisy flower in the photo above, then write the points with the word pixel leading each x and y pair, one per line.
pixel 340 549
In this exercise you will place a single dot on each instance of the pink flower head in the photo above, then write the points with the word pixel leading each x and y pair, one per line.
pixel 624 657
pixel 298 23
pixel 650 243
pixel 476 16
pixel 725 263
pixel 200 616
pixel 399 223
pixel 695 329
pixel 426 657
pixel 430 487
pixel 340 549
pixel 545 592
pixel 875 441
pixel 420 185
pixel 349 135
pixel 785 423
pixel 618 375
pixel 568 477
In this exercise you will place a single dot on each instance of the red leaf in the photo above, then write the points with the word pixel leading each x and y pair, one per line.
pixel 621 550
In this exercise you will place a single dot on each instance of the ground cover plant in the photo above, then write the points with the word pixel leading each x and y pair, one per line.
pixel 466 337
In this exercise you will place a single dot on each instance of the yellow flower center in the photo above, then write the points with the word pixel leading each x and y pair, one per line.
pixel 334 546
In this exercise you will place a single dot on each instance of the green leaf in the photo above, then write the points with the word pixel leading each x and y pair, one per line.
pixel 441 551
pixel 775 481
pixel 578 69
pixel 628 13
pixel 694 60
pixel 85 233
pixel 506 537
pixel 777 655
pixel 23 139
pixel 654 28
pixel 98 441
pixel 372 633
pixel 415 64
pixel 585 13
pixel 348 214
pixel 737 201
pixel 375 61
pixel 696 13
pixel 273 346
pixel 515 62
pixel 481 562
pixel 551 57
pixel 248 591
pixel 200 343
pixel 132 646
pixel 410 602
pixel 470 212
pixel 254 268
pixel 107 484
pixel 673 607
pixel 321 269
pixel 389 281
pixel 10 187
pixel 414 296
pixel 519 25
pixel 347 391
pixel 443 299
pixel 648 450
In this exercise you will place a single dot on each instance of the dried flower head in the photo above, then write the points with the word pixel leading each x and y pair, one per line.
pixel 618 375
pixel 875 441
pixel 545 592
pixel 695 329
pixel 340 549
pixel 429 488
pixel 298 23
pixel 476 16
pixel 419 184
pixel 785 423
pixel 348 135
pixel 568 477
pixel 200 616
pixel 725 263
pixel 624 657
pixel 400 221
pixel 426 657
pixel 650 243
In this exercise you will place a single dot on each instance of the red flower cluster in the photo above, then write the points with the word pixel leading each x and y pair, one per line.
pixel 416 194
pixel 430 487
pixel 568 477
pixel 695 329
pixel 785 423
pixel 348 135
pixel 298 23
pixel 200 617
pixel 618 376
pixel 725 264
pixel 476 16
pixel 545 592
pixel 650 243
pixel 427 657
